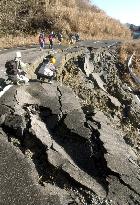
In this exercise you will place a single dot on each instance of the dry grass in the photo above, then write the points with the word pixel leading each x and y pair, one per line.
pixel 10 41
pixel 58 15
pixel 89 23
pixel 126 50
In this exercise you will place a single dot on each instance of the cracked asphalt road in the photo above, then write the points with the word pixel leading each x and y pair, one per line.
pixel 31 53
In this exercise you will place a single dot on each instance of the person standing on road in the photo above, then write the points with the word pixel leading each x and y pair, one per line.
pixel 42 40
pixel 51 39
pixel 59 38
pixel 77 37
pixel 72 39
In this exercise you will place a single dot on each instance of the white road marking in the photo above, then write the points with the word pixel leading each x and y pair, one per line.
pixel 113 44
pixel 5 89
pixel 134 76
pixel 96 42
pixel 138 98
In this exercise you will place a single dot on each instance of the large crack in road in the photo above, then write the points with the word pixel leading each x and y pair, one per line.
pixel 70 146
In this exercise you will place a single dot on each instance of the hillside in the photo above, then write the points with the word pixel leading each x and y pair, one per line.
pixel 29 17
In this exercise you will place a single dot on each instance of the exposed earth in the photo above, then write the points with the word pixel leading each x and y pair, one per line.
pixel 76 141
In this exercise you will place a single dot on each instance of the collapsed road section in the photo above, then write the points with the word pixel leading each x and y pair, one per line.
pixel 75 141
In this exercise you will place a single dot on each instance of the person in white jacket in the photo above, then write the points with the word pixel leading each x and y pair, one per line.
pixel 21 69
pixel 47 71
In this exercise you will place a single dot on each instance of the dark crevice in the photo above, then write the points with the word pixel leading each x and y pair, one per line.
pixel 51 174
pixel 81 61
pixel 84 156
pixel 101 163
pixel 10 132
pixel 68 183
pixel 87 154
pixel 46 171
pixel 59 99
pixel 134 200
pixel 118 176
pixel 11 109
pixel 70 141
pixel 98 154
pixel 88 110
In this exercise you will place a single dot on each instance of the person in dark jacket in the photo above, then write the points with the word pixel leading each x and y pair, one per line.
pixel 42 40
pixel 59 35
pixel 15 70
pixel 51 39
pixel 77 37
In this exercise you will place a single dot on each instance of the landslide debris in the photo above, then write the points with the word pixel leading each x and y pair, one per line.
pixel 81 135
pixel 97 77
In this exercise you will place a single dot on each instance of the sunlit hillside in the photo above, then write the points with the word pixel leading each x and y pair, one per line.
pixel 28 17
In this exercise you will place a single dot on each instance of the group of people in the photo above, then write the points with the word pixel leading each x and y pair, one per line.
pixel 16 70
pixel 51 38
pixel 73 38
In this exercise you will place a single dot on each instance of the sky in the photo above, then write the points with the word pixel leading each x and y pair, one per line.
pixel 126 11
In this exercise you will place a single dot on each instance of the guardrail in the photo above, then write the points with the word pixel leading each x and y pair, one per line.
pixel 133 75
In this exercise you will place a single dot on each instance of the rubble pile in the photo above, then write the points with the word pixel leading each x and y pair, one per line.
pixel 76 141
